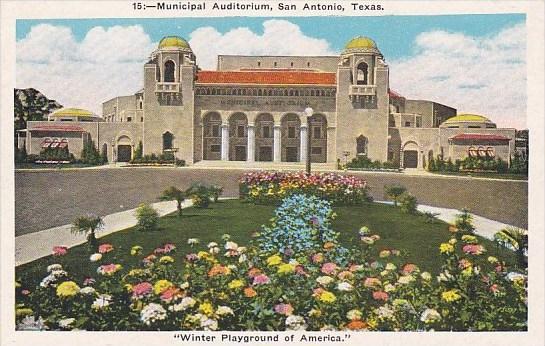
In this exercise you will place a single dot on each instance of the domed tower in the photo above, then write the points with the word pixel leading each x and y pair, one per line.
pixel 169 78
pixel 362 101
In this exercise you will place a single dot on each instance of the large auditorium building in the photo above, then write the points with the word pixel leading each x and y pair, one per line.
pixel 251 108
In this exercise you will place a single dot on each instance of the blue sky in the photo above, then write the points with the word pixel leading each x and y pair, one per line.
pixel 84 62
pixel 393 34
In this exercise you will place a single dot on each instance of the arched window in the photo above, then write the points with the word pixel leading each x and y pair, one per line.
pixel 169 71
pixel 361 145
pixel 472 151
pixel 361 74
pixel 167 140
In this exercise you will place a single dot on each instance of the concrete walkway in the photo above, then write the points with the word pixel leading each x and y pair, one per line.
pixel 31 246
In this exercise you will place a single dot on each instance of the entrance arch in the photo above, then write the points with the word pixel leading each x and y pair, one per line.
pixel 264 137
pixel 238 137
pixel 211 136
pixel 124 149
pixel 410 155
pixel 290 133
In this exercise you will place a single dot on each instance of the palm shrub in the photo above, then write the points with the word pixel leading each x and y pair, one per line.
pixel 394 192
pixel 174 194
pixel 88 225
pixel 408 203
pixel 148 218
pixel 463 223
pixel 517 239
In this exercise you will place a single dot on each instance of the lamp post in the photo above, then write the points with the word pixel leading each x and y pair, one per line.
pixel 308 113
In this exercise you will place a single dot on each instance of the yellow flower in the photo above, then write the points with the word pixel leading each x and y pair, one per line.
pixel 274 260
pixel 23 312
pixel 467 271
pixel 450 296
pixel 286 268
pixel 327 297
pixel 492 259
pixel 136 250
pixel 135 272
pixel 204 255
pixel 372 323
pixel 470 239
pixel 128 287
pixel 166 260
pixel 67 289
pixel 446 248
pixel 235 284
pixel 161 286
pixel 206 308
pixel 315 313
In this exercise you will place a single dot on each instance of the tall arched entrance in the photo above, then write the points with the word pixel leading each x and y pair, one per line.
pixel 410 155
pixel 238 137
pixel 264 137
pixel 211 136
pixel 290 133
pixel 124 149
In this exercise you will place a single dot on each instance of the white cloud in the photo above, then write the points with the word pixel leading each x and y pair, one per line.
pixel 280 37
pixel 483 75
pixel 106 63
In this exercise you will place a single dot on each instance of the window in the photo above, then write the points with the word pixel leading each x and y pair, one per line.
pixel 141 119
pixel 291 132
pixel 259 64
pixel 215 130
pixel 361 145
pixel 361 74
pixel 316 151
pixel 167 140
pixel 317 132
pixel 291 64
pixel 490 152
pixel 240 131
pixel 140 104
pixel 308 64
pixel 129 119
pixel 418 121
pixel 266 131
pixel 275 64
pixel 472 152
pixel 407 124
pixel 215 148
pixel 169 72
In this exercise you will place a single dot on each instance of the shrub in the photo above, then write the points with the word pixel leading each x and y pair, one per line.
pixel 200 195
pixel 148 218
pixel 394 192
pixel 154 159
pixel 464 223
pixel 408 203
pixel 362 161
pixel 139 151
pixel 216 191
pixel 88 225
pixel 515 239
pixel 174 194
pixel 20 155
pixel 90 154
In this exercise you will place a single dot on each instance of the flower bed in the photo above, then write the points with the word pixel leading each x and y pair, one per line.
pixel 272 187
pixel 224 286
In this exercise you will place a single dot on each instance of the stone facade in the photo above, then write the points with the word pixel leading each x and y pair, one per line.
pixel 251 109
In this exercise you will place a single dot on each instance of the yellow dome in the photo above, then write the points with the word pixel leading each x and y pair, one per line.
pixel 173 41
pixel 360 42
pixel 464 118
pixel 72 112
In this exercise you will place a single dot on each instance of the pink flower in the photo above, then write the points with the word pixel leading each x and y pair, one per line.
pixel 104 248
pixel 25 292
pixel 329 268
pixel 170 294
pixel 59 250
pixel 261 279
pixel 473 249
pixel 159 251
pixel 409 268
pixel 142 289
pixel 191 257
pixel 380 295
pixel 371 282
pixel 169 247
pixel 108 269
pixel 494 288
pixel 300 270
pixel 317 258
pixel 88 281
pixel 283 309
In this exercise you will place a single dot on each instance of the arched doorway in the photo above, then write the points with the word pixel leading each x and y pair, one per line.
pixel 124 149
pixel 264 137
pixel 410 155
pixel 238 137
pixel 170 67
pixel 168 139
pixel 211 136
pixel 361 145
pixel 290 143
pixel 318 135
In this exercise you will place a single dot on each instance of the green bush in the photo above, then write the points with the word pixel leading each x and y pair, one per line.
pixel 394 192
pixel 90 154
pixel 162 159
pixel 148 218
pixel 364 162
pixel 464 223
pixel 216 191
pixel 408 203
pixel 52 154
pixel 20 155
pixel 200 195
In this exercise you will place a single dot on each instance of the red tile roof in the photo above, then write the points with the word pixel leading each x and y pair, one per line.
pixel 61 128
pixel 479 136
pixel 394 94
pixel 266 77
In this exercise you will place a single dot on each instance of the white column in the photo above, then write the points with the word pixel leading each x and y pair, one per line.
pixel 250 148
pixel 277 153
pixel 303 146
pixel 225 142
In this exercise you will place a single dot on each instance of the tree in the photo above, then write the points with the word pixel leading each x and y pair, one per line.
pixel 408 203
pixel 394 192
pixel 88 225
pixel 148 218
pixel 138 152
pixel 517 239
pixel 174 194
pixel 90 154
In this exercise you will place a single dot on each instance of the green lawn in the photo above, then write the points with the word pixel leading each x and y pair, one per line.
pixel 511 176
pixel 417 239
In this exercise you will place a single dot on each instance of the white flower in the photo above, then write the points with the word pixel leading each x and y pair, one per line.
pixel 232 267
pixel 102 301
pixel 152 312
pixel 405 279
pixel 231 245
pixel 430 316
pixel 53 267
pixel 87 290
pixel 65 323
pixel 384 273
pixel 445 276
pixel 224 310
pixel 294 262
pixel 385 313
pixel 242 258
pixel 57 273
pixel 514 276
pixel 95 257
pixel 328 328
pixel 209 324
pixel 354 314
pixel 48 280
pixel 30 323
pixel 241 249
pixel 192 241
pixel 185 285
pixel 225 237
pixel 390 266
pixel 426 276
pixel 345 286
pixel 187 302
pixel 214 250
pixel 389 288
pixel 324 280
pixel 294 322
pixel 212 244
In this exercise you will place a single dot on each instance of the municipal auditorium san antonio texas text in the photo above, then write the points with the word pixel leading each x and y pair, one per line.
pixel 251 109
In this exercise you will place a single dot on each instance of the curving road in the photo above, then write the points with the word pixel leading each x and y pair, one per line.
pixel 45 199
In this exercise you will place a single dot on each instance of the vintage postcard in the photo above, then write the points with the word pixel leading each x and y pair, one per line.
pixel 272 172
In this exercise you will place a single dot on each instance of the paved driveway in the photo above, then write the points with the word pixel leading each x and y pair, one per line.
pixel 53 198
